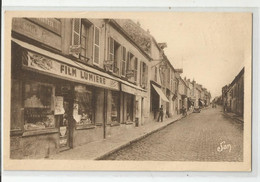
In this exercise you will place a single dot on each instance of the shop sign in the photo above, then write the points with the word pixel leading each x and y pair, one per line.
pixel 63 130
pixel 36 32
pixel 63 141
pixel 51 24
pixel 58 109
pixel 47 65
pixel 128 89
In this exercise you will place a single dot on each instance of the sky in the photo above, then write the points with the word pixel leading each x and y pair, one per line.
pixel 210 47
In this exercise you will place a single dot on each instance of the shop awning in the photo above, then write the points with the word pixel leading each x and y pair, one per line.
pixel 161 94
pixel 113 80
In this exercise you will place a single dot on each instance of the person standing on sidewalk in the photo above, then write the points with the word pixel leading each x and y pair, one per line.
pixel 160 114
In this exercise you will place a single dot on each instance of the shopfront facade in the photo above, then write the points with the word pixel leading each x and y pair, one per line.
pixel 57 105
pixel 59 99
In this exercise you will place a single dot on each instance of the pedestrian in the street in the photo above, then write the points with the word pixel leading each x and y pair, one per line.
pixel 160 114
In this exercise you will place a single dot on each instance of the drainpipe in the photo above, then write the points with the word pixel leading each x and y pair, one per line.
pixel 105 90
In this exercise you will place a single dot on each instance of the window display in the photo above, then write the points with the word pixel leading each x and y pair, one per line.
pixel 38 106
pixel 15 106
pixel 114 108
pixel 83 107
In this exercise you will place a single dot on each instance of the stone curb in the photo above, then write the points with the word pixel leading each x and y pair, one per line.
pixel 136 139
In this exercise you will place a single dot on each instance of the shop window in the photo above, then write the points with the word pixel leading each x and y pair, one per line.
pixel 129 107
pixel 114 107
pixel 38 106
pixel 83 106
pixel 15 105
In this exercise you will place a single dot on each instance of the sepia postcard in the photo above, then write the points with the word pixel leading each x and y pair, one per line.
pixel 127 91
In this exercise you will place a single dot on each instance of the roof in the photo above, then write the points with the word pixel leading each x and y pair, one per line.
pixel 140 36
pixel 127 36
pixel 238 76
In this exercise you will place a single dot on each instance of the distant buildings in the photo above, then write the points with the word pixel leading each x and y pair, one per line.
pixel 233 95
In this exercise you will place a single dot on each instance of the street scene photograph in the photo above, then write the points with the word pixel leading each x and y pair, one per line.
pixel 130 88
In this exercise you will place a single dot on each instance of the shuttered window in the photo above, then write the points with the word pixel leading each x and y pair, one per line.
pixel 135 69
pixel 96 45
pixel 76 31
pixel 141 73
pixel 123 62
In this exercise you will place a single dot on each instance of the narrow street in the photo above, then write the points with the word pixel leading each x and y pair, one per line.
pixel 205 136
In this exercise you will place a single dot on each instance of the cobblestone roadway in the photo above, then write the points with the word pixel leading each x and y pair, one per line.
pixel 194 138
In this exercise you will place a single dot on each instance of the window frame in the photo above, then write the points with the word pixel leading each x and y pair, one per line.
pixel 95 45
pixel 111 52
pixel 23 104
pixel 124 60
pixel 135 69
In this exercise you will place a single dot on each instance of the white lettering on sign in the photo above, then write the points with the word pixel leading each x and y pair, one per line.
pixel 51 66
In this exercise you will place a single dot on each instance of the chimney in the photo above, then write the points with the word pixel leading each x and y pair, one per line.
pixel 138 23
pixel 148 31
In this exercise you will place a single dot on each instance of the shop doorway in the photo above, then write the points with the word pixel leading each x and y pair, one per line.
pixel 155 102
pixel 64 108
pixel 129 108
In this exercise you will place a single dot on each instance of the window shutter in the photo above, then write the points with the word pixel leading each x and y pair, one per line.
pixel 145 75
pixel 135 69
pixel 96 45
pixel 123 66
pixel 76 31
pixel 141 73
pixel 128 61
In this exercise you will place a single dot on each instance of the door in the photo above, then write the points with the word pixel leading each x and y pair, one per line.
pixel 64 98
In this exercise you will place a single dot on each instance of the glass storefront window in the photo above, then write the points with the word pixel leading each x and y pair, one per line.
pixel 83 107
pixel 15 106
pixel 38 106
pixel 114 106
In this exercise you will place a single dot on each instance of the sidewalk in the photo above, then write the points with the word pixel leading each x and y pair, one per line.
pixel 99 149
pixel 234 116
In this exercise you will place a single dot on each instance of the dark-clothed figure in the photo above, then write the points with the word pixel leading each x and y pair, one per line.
pixel 160 114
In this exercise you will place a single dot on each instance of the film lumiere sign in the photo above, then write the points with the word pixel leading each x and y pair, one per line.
pixel 47 65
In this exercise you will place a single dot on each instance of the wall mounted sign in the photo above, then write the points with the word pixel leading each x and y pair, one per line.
pixel 36 32
pixel 58 109
pixel 48 65
pixel 51 24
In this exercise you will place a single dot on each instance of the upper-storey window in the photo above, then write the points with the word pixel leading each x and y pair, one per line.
pixel 130 66
pixel 135 69
pixel 116 54
pixel 96 45
pixel 86 37
pixel 123 62
pixel 143 74
pixel 155 73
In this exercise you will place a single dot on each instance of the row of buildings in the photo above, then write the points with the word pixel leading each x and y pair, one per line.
pixel 233 95
pixel 80 80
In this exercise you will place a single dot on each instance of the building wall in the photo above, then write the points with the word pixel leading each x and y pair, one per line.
pixel 145 98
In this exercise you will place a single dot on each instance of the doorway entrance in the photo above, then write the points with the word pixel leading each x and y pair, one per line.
pixel 64 107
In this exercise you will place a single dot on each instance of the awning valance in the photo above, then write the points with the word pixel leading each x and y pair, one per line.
pixel 161 94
